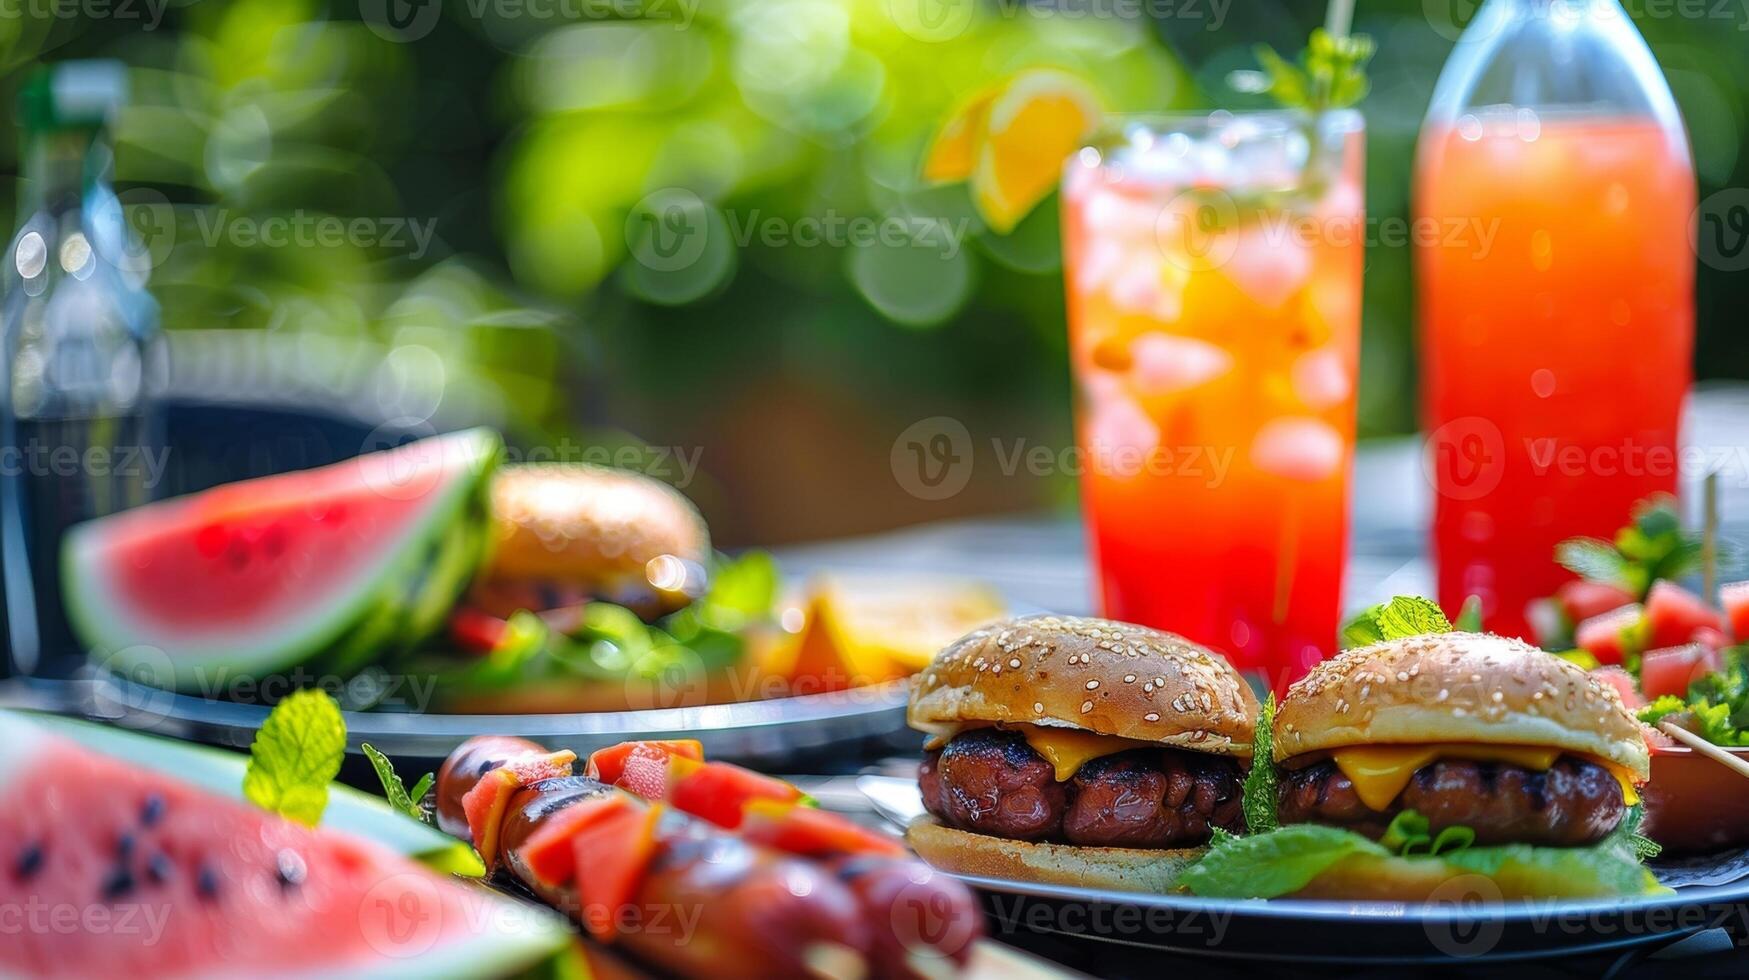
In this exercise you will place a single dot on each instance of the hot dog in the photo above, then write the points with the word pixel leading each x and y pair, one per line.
pixel 709 904
pixel 464 767
pixel 893 917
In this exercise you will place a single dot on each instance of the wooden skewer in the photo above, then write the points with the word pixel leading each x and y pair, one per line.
pixel 1704 747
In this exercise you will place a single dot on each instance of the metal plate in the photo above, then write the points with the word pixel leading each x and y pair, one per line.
pixel 1302 930
pixel 771 733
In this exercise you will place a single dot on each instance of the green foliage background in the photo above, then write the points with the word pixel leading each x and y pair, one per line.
pixel 534 133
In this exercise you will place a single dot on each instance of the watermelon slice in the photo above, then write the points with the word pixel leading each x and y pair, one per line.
pixel 1670 670
pixel 812 832
pixel 1673 614
pixel 170 880
pixel 1608 637
pixel 338 563
pixel 1582 599
pixel 612 855
pixel 1735 598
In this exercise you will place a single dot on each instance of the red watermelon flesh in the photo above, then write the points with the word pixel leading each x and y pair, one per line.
pixel 134 874
pixel 1673 614
pixel 1735 598
pixel 258 575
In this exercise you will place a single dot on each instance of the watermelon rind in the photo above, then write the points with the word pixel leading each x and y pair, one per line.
pixel 221 772
pixel 412 609
pixel 510 938
pixel 105 622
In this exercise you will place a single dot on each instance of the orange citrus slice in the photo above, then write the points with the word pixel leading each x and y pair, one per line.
pixel 1034 124
pixel 864 629
pixel 953 153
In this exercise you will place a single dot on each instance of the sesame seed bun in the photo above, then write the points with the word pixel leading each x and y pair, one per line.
pixel 1130 869
pixel 1458 687
pixel 572 527
pixel 1096 675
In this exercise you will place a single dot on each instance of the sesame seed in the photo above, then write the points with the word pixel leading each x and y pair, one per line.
pixel 1442 695
pixel 1086 706
pixel 1015 663
pixel 1498 697
pixel 1129 678
pixel 1038 707
pixel 1151 716
pixel 1092 685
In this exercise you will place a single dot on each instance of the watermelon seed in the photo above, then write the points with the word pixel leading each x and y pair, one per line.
pixel 158 868
pixel 119 883
pixel 152 810
pixel 30 861
pixel 207 883
pixel 290 869
pixel 124 846
pixel 238 554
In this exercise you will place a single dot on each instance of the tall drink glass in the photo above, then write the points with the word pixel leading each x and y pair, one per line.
pixel 1557 296
pixel 1213 268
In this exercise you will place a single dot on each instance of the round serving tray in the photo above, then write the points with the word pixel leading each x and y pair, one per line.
pixel 1307 931
pixel 769 733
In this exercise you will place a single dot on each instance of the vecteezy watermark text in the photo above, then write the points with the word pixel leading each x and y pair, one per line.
pixel 34 458
pixel 308 229
pixel 149 13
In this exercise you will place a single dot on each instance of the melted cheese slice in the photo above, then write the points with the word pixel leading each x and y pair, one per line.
pixel 1379 772
pixel 1068 749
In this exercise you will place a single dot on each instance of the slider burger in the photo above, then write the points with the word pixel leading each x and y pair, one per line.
pixel 1078 751
pixel 568 533
pixel 1515 765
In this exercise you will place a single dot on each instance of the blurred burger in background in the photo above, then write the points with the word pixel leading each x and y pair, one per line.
pixel 566 534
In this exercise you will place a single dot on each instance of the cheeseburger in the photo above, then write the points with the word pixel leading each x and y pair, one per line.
pixel 565 534
pixel 1080 751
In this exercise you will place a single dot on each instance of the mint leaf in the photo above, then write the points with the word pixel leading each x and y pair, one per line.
pixel 295 755
pixel 1408 615
pixel 393 789
pixel 1403 616
pixel 1259 799
pixel 1594 559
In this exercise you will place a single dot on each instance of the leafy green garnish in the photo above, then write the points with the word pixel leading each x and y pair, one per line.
pixel 1330 73
pixel 405 800
pixel 611 644
pixel 1717 705
pixel 1259 800
pixel 1403 616
pixel 1274 864
pixel 1650 547
pixel 1409 832
pixel 1287 860
pixel 295 755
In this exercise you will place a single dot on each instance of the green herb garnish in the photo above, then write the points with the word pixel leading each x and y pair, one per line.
pixel 1259 799
pixel 399 796
pixel 295 755
pixel 1650 547
pixel 1403 616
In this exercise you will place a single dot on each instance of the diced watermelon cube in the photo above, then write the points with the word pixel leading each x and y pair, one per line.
pixel 548 853
pixel 611 855
pixel 1624 684
pixel 1710 638
pixel 1582 599
pixel 719 792
pixel 1604 637
pixel 484 805
pixel 476 632
pixel 607 765
pixel 1673 614
pixel 812 832
pixel 1670 670
pixel 1735 598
